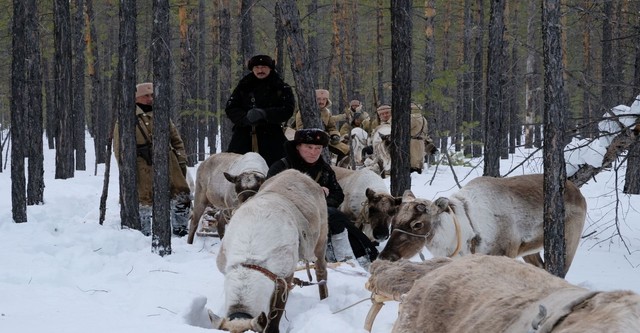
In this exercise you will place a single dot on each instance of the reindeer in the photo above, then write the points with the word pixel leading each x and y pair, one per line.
pixel 286 221
pixel 223 181
pixel 497 216
pixel 381 142
pixel 367 201
pixel 481 293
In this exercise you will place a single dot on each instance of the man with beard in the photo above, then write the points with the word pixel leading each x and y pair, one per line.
pixel 258 106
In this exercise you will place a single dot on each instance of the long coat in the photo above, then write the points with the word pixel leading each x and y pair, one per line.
pixel 178 183
pixel 276 98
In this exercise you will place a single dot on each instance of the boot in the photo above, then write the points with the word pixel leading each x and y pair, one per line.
pixel 329 254
pixel 145 219
pixel 364 262
pixel 341 246
pixel 180 214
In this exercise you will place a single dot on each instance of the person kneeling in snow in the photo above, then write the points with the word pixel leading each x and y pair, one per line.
pixel 304 154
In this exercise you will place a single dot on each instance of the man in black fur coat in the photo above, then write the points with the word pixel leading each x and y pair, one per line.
pixel 258 107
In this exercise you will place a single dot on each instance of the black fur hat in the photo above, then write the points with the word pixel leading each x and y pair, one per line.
pixel 314 136
pixel 261 59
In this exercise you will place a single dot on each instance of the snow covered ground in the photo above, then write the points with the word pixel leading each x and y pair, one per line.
pixel 63 272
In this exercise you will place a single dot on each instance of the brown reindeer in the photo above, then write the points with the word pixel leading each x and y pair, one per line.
pixel 480 293
pixel 497 216
pixel 223 181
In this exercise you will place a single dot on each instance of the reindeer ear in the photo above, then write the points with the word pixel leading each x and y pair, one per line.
pixel 259 323
pixel 230 178
pixel 408 196
pixel 442 203
pixel 369 193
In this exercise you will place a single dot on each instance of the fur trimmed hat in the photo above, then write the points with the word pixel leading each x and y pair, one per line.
pixel 354 102
pixel 322 93
pixel 261 60
pixel 384 108
pixel 314 136
pixel 144 89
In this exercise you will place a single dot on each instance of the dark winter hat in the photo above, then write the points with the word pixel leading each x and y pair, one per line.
pixel 261 59
pixel 314 136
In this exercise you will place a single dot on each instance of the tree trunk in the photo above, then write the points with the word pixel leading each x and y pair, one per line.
pixel 447 113
pixel 589 126
pixel 467 93
pixel 225 70
pixel 52 122
pixel 201 105
pixel 430 67
pixel 187 105
pixel 608 74
pixel 477 133
pixel 100 123
pixel 532 81
pixel 63 92
pixel 401 43
pixel 513 88
pixel 161 231
pixel 18 109
pixel 78 86
pixel 554 165
pixel 35 185
pixel 379 54
pixel 214 91
pixel 125 101
pixel 495 95
pixel 300 68
pixel 312 41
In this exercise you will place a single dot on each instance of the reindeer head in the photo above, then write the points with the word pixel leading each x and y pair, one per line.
pixel 412 226
pixel 381 207
pixel 246 184
pixel 239 322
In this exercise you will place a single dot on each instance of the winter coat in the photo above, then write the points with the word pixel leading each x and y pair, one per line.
pixel 321 172
pixel 276 98
pixel 177 156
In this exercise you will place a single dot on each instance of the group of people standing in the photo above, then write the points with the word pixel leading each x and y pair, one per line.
pixel 258 107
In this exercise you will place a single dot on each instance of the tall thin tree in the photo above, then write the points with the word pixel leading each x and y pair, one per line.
pixel 161 42
pixel 63 90
pixel 495 91
pixel 401 43
pixel 225 71
pixel 126 87
pixel 300 66
pixel 78 70
pixel 35 184
pixel 214 91
pixel 555 174
pixel 18 102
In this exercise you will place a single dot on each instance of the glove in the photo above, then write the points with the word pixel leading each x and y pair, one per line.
pixel 255 115
pixel 335 139
pixel 183 168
